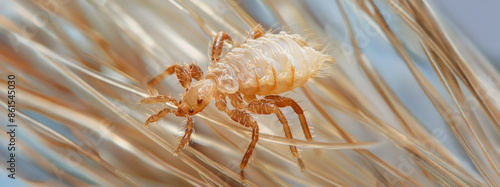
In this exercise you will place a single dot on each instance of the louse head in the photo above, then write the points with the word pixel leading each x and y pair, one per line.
pixel 196 98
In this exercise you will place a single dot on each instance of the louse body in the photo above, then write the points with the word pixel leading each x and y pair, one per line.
pixel 264 65
pixel 268 65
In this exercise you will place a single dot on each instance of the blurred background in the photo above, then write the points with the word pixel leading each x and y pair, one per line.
pixel 412 99
pixel 476 20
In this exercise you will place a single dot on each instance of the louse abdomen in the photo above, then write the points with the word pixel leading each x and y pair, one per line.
pixel 274 63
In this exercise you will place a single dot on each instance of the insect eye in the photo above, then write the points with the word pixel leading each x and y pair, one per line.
pixel 191 110
pixel 200 101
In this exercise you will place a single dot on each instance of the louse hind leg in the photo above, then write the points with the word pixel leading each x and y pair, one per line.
pixel 158 116
pixel 256 32
pixel 187 136
pixel 185 73
pixel 285 102
pixel 266 106
pixel 218 44
pixel 246 120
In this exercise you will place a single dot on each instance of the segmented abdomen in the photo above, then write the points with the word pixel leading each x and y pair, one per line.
pixel 274 63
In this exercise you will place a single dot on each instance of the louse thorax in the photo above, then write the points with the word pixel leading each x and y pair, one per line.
pixel 197 97
pixel 224 76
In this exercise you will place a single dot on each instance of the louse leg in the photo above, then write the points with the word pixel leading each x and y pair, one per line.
pixel 237 100
pixel 221 104
pixel 159 99
pixel 246 120
pixel 265 106
pixel 158 116
pixel 249 98
pixel 218 44
pixel 184 74
pixel 256 32
pixel 187 136
pixel 284 102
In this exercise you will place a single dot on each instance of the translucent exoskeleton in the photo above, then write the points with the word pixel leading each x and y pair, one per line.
pixel 263 65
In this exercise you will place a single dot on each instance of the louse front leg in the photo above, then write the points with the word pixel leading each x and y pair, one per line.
pixel 246 120
pixel 158 116
pixel 285 102
pixel 187 136
pixel 266 106
pixel 218 44
pixel 237 100
pixel 159 99
pixel 185 73
pixel 249 98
